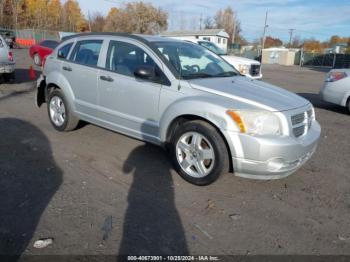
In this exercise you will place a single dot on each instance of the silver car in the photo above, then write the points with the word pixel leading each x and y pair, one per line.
pixel 336 89
pixel 7 64
pixel 181 96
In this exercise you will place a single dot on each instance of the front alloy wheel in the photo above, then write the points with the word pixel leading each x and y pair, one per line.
pixel 195 154
pixel 199 152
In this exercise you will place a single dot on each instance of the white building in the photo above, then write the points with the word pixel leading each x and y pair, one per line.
pixel 217 36
pixel 279 55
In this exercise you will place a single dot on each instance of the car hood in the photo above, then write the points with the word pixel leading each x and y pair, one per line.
pixel 256 93
pixel 240 60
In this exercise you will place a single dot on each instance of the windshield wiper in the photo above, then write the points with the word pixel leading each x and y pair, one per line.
pixel 225 74
pixel 197 75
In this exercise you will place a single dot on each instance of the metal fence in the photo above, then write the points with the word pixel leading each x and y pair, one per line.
pixel 324 60
pixel 37 35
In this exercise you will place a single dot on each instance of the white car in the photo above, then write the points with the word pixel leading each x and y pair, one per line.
pixel 336 89
pixel 247 67
pixel 7 64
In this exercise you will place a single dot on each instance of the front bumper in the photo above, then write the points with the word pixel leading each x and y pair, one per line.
pixel 274 158
pixel 7 68
pixel 257 77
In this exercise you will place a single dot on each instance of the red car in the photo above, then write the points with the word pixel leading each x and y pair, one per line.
pixel 40 51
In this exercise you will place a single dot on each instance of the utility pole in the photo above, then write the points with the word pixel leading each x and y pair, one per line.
pixel 264 34
pixel 291 31
pixel 234 32
pixel 200 22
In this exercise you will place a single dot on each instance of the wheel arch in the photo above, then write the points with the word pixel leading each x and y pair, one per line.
pixel 191 117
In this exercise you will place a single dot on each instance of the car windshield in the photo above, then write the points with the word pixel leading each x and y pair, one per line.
pixel 212 47
pixel 192 61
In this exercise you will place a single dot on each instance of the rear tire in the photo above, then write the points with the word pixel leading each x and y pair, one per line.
pixel 348 105
pixel 9 77
pixel 60 113
pixel 199 153
pixel 37 59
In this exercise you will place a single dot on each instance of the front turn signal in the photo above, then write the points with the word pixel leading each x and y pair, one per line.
pixel 237 118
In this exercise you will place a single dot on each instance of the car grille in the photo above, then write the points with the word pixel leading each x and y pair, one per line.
pixel 301 123
pixel 255 70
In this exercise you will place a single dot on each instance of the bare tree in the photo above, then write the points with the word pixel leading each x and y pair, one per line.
pixel 208 23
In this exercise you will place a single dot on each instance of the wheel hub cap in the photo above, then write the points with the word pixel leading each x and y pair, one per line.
pixel 195 154
pixel 57 111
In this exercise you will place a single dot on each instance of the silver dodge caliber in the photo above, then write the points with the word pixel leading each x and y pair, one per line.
pixel 181 96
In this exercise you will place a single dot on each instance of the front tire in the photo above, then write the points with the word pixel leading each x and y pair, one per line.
pixel 199 153
pixel 60 113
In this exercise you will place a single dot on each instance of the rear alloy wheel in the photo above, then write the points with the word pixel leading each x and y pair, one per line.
pixel 37 60
pixel 59 112
pixel 199 153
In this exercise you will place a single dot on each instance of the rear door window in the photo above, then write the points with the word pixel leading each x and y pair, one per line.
pixel 64 51
pixel 87 52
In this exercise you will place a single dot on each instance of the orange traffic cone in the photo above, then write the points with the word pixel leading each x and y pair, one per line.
pixel 32 75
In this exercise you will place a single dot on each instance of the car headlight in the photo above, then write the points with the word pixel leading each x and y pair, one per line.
pixel 243 69
pixel 256 122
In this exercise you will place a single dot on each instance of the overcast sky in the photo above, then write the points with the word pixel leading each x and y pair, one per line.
pixel 310 18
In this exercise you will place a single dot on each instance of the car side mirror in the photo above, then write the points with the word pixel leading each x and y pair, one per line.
pixel 145 72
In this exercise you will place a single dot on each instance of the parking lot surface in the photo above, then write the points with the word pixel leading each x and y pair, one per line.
pixel 94 191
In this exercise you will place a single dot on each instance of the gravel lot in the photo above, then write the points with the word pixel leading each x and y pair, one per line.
pixel 97 192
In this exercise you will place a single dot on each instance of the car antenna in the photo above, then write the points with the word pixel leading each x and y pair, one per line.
pixel 179 84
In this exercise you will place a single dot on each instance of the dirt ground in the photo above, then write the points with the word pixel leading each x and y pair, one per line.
pixel 94 191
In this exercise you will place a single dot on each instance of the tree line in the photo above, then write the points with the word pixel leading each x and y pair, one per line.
pixel 133 17
pixel 136 17
pixel 309 45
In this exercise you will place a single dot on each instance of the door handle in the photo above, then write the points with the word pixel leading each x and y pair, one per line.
pixel 106 78
pixel 67 68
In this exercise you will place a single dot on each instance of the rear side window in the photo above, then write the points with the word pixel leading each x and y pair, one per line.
pixel 87 52
pixel 49 44
pixel 124 58
pixel 64 51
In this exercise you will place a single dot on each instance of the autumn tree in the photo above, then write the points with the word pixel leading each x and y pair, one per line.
pixel 337 39
pixel 313 46
pixel 137 17
pixel 54 9
pixel 208 23
pixel 73 19
pixel 97 22
pixel 116 21
pixel 272 42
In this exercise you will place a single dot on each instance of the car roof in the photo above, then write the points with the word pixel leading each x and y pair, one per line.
pixel 140 37
pixel 146 39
